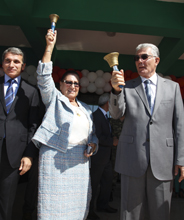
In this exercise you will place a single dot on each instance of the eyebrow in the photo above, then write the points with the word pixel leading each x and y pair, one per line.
pixel 15 60
pixel 70 80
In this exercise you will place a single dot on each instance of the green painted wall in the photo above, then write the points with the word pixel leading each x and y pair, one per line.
pixel 148 17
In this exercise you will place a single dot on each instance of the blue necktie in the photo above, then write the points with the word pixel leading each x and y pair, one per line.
pixel 9 95
pixel 148 92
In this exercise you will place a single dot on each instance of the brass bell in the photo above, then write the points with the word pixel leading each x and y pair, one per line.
pixel 54 18
pixel 112 59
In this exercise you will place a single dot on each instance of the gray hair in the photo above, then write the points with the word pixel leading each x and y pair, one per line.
pixel 14 50
pixel 103 99
pixel 155 50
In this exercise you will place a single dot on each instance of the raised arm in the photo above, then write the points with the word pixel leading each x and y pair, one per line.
pixel 50 42
pixel 117 99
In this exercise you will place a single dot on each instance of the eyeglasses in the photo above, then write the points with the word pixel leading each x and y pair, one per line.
pixel 142 56
pixel 70 83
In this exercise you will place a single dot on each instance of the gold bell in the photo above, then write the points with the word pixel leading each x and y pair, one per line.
pixel 54 18
pixel 112 59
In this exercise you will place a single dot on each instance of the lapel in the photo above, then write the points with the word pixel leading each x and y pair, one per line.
pixel 159 92
pixel 137 84
pixel 2 92
pixel 64 99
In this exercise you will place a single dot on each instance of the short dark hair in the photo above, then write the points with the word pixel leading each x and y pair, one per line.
pixel 69 73
pixel 14 50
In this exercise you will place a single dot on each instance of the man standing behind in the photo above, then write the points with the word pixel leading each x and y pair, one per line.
pixel 19 110
pixel 151 144
pixel 116 126
pixel 101 166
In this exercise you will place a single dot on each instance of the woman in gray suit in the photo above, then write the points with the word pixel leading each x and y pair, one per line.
pixel 67 129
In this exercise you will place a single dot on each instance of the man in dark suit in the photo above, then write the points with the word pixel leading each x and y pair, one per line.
pixel 151 144
pixel 101 166
pixel 19 110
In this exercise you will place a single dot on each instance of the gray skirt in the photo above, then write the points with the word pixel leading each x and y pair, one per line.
pixel 64 189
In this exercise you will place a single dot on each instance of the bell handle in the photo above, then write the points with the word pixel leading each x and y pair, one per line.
pixel 115 68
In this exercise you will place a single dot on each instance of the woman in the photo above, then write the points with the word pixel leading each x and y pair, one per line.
pixel 64 190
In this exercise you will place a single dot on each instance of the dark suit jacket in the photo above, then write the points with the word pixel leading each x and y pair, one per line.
pixel 104 136
pixel 21 122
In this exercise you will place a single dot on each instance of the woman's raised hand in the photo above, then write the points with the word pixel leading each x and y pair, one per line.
pixel 51 38
pixel 50 42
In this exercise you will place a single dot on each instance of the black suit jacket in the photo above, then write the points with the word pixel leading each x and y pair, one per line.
pixel 20 124
pixel 104 136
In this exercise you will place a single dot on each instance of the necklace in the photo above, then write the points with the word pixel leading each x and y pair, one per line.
pixel 78 114
pixel 77 111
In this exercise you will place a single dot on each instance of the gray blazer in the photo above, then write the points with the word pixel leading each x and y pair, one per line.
pixel 157 139
pixel 56 125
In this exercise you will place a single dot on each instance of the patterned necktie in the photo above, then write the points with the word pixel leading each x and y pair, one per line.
pixel 148 92
pixel 9 95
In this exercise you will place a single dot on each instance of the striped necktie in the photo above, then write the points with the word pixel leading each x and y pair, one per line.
pixel 9 95
pixel 148 92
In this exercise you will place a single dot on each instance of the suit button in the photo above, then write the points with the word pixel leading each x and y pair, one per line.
pixel 148 140
pixel 151 122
